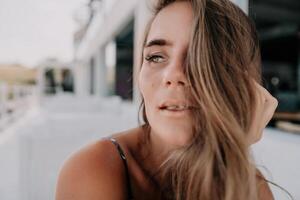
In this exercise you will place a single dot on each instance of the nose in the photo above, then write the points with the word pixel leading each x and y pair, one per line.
pixel 174 75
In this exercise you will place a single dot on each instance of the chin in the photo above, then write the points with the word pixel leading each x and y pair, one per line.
pixel 173 135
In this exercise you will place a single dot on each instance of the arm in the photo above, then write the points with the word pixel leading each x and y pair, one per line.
pixel 264 191
pixel 93 173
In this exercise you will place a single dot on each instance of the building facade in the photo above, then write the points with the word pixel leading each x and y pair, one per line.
pixel 107 56
pixel 108 51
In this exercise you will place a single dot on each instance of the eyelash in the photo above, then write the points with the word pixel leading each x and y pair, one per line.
pixel 150 58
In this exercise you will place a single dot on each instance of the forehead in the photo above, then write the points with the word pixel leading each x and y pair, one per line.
pixel 173 23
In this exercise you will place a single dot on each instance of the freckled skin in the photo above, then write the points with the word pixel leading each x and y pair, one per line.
pixel 163 78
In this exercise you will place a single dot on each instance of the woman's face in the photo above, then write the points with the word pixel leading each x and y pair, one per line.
pixel 162 80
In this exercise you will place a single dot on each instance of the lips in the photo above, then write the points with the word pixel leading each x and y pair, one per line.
pixel 175 105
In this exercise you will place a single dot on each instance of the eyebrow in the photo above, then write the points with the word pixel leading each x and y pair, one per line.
pixel 158 42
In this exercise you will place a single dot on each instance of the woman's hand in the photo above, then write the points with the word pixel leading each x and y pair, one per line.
pixel 264 110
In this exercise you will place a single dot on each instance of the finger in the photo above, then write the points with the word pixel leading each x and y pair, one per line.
pixel 267 97
pixel 271 106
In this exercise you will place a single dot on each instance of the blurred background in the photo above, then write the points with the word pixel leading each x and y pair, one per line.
pixel 67 77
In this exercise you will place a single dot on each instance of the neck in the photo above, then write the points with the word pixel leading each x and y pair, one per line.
pixel 155 151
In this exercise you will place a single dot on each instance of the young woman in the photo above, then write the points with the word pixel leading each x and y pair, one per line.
pixel 203 107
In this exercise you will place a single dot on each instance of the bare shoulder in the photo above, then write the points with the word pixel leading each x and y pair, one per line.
pixel 264 190
pixel 94 172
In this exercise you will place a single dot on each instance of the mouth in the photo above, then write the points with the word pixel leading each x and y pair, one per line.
pixel 175 106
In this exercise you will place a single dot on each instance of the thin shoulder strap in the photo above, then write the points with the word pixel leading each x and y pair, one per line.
pixel 123 157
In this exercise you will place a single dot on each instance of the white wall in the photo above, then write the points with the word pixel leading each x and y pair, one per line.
pixel 81 78
pixel 9 167
pixel 279 153
pixel 101 71
pixel 243 4
pixel 105 26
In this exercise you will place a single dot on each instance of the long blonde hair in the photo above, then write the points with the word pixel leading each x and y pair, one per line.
pixel 222 60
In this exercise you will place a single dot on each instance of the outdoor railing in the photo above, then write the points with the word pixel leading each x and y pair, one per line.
pixel 14 101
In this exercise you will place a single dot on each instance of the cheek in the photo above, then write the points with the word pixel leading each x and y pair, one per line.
pixel 148 89
pixel 145 83
pixel 141 82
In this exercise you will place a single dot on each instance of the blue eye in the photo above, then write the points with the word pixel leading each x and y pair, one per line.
pixel 154 58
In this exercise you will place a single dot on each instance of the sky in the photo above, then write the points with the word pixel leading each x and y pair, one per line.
pixel 32 30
